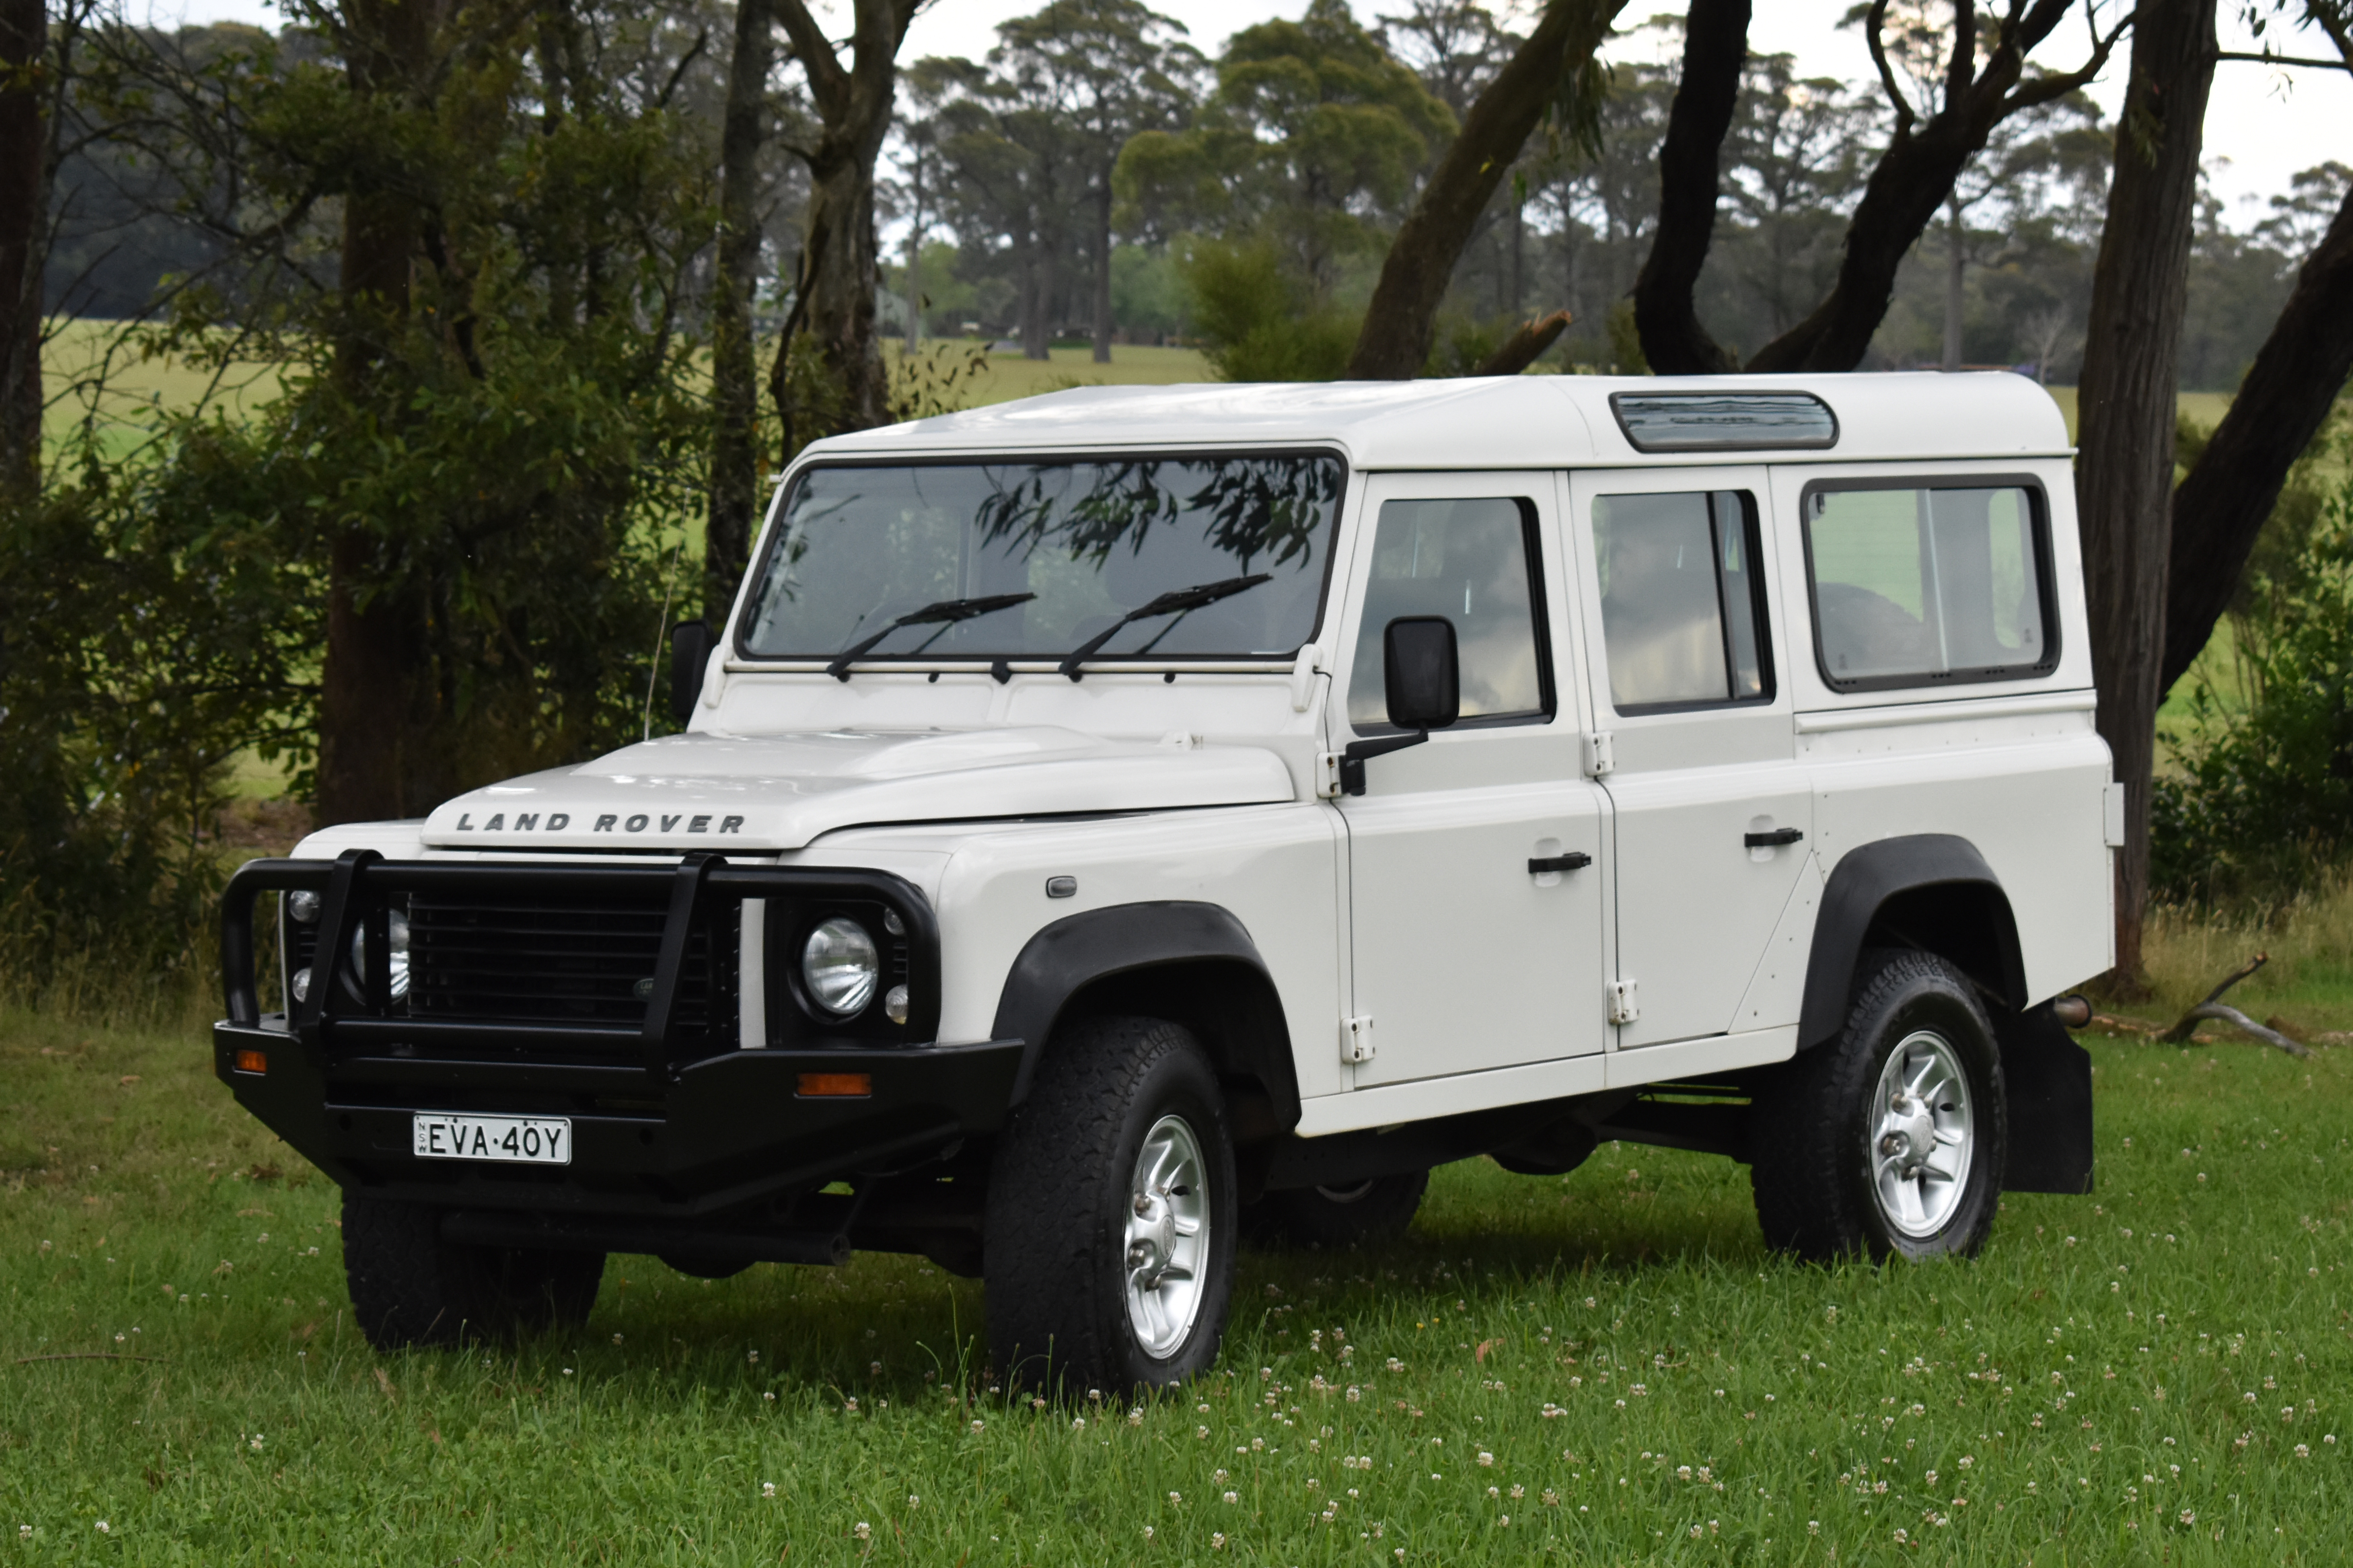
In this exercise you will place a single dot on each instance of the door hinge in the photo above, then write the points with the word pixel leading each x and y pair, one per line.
pixel 1327 775
pixel 1601 753
pixel 1623 1008
pixel 1357 1040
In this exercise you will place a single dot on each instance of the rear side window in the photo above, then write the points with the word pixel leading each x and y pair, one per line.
pixel 1681 612
pixel 1922 585
pixel 1472 561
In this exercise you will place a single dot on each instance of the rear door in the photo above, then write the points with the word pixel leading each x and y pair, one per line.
pixel 1712 814
pixel 1464 958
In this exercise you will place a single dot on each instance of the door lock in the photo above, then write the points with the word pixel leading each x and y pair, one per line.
pixel 1774 839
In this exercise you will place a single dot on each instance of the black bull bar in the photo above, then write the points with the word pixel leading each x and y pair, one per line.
pixel 663 1126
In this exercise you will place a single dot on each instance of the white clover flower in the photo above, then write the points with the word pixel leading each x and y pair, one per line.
pixel 768 1489
pixel 1233 1497
pixel 863 1531
pixel 104 1528
pixel 1485 1458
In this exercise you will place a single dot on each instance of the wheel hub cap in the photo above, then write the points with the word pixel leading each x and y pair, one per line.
pixel 1923 1134
pixel 1167 1237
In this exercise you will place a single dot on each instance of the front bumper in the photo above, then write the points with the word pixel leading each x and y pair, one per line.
pixel 677 1132
pixel 728 1133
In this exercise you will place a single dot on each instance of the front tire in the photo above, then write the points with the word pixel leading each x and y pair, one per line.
pixel 1109 1248
pixel 1889 1139
pixel 409 1286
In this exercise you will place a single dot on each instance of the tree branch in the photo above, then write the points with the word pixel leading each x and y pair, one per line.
pixel 1716 48
pixel 1395 341
pixel 2220 507
pixel 2285 61
pixel 828 83
pixel 1873 27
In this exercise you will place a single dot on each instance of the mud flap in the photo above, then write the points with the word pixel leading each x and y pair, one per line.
pixel 2049 1078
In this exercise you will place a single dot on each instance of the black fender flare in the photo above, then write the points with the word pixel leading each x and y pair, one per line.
pixel 1129 941
pixel 1877 879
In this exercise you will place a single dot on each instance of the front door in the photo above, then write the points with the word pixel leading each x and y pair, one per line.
pixel 1464 957
pixel 1713 818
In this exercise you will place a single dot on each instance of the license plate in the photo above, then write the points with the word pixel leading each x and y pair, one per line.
pixel 518 1140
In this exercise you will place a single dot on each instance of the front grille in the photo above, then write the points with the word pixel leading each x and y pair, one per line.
pixel 502 960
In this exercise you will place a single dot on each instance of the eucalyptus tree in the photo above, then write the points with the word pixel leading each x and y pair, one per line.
pixel 1310 143
pixel 1976 76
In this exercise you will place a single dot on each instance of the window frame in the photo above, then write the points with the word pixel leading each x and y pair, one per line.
pixel 1759 609
pixel 2038 506
pixel 1539 621
pixel 757 570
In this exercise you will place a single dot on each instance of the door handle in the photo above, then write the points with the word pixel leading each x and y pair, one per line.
pixel 1575 859
pixel 1779 835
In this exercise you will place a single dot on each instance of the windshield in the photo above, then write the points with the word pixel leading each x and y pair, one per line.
pixel 1035 560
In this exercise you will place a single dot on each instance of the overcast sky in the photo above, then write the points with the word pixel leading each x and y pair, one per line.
pixel 2264 122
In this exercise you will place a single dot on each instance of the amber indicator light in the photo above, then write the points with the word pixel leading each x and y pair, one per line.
pixel 836 1085
pixel 253 1061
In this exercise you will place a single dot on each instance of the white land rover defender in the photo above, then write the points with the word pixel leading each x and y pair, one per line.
pixel 1116 820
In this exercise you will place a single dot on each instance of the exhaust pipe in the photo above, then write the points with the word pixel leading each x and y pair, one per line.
pixel 2072 1010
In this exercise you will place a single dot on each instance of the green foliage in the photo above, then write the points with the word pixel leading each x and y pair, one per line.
pixel 651 1434
pixel 2264 804
pixel 145 639
pixel 1257 319
pixel 1310 144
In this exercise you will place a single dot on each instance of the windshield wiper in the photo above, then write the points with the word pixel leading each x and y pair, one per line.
pixel 946 613
pixel 1177 602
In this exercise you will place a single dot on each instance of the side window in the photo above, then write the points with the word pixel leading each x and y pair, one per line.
pixel 1683 612
pixel 1919 586
pixel 1471 561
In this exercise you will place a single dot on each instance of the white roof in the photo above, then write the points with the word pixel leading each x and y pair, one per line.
pixel 1500 422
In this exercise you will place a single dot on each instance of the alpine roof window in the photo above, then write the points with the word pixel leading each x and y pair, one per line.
pixel 1724 421
pixel 1683 608
pixel 1923 582
pixel 1036 559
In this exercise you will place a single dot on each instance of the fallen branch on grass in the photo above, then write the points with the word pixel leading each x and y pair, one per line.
pixel 84 1355
pixel 2213 1007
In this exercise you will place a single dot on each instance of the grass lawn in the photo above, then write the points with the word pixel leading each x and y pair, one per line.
pixel 1605 1367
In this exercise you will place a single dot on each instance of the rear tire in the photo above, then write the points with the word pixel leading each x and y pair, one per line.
pixel 1889 1139
pixel 1360 1213
pixel 1109 1248
pixel 411 1288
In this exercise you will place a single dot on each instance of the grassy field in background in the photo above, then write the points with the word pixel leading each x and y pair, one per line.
pixel 1604 1367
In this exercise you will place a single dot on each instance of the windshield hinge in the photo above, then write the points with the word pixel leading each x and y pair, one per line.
pixel 1327 775
pixel 1601 753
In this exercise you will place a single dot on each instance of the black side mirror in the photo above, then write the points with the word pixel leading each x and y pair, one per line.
pixel 1423 674
pixel 690 652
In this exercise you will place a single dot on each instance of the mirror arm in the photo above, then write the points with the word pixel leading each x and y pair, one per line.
pixel 1352 761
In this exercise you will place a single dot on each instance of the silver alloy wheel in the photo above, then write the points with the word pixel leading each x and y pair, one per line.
pixel 1167 1254
pixel 1923 1134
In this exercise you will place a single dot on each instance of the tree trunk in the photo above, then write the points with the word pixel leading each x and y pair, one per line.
pixel 1953 263
pixel 1403 317
pixel 2224 503
pixel 1102 267
pixel 2124 467
pixel 1519 248
pixel 1038 326
pixel 378 701
pixel 25 96
pixel 834 286
pixel 734 368
pixel 1716 47
pixel 915 264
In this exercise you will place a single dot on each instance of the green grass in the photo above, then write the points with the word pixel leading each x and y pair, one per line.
pixel 1717 1403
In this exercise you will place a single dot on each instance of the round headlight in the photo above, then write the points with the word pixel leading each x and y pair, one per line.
pixel 396 939
pixel 839 966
